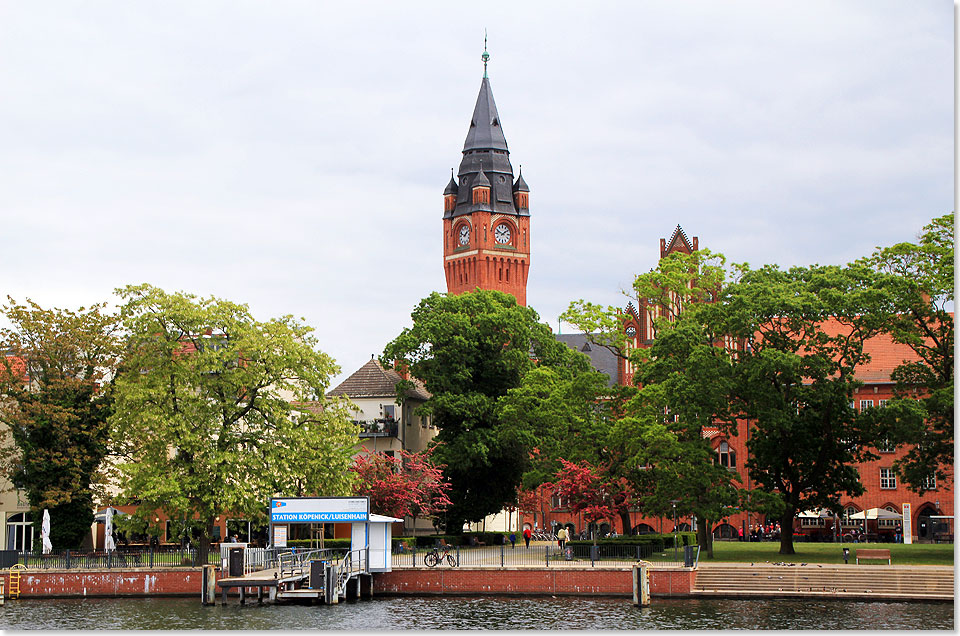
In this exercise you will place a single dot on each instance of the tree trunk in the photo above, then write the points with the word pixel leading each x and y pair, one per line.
pixel 786 530
pixel 625 520
pixel 704 536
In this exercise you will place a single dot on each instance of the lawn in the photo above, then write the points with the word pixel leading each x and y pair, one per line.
pixel 902 554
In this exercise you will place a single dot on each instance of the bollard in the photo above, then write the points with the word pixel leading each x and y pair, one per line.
pixel 208 593
pixel 501 555
pixel 68 559
pixel 641 584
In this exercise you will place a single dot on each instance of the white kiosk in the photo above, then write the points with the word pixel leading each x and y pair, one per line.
pixel 370 533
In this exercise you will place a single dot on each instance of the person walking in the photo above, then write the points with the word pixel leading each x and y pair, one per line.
pixel 561 537
pixel 526 536
pixel 513 540
pixel 740 534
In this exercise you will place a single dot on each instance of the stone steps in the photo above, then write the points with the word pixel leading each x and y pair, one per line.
pixel 878 581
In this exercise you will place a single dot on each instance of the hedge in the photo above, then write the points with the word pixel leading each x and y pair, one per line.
pixel 659 541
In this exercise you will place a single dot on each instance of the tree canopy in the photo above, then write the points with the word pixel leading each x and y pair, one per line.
pixel 54 379
pixel 216 412
pixel 470 350
pixel 920 283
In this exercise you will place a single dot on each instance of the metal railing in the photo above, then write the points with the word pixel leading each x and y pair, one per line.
pixel 551 556
pixel 116 559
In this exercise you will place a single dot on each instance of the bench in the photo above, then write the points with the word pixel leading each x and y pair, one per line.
pixel 874 553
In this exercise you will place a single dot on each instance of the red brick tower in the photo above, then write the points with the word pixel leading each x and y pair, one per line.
pixel 486 216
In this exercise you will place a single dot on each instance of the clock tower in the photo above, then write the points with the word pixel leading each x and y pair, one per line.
pixel 486 218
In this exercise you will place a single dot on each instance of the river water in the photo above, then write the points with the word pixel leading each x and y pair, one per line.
pixel 396 613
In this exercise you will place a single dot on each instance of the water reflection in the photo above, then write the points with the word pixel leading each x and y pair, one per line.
pixel 475 613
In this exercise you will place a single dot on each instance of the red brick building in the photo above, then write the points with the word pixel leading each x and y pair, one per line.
pixel 883 488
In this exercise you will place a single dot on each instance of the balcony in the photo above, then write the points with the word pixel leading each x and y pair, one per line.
pixel 378 428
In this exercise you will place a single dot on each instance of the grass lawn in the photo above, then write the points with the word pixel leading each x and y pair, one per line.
pixel 902 554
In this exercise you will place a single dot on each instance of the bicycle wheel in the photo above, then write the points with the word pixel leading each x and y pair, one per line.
pixel 451 560
pixel 431 559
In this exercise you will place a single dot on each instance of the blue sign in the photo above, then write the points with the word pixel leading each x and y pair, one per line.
pixel 319 509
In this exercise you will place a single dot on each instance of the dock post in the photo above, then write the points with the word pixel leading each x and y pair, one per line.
pixel 2 594
pixel 259 595
pixel 243 595
pixel 641 584
pixel 366 586
pixel 208 582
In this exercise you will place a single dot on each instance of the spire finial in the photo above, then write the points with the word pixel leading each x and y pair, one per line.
pixel 486 56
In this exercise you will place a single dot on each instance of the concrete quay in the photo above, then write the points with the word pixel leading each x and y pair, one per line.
pixel 868 582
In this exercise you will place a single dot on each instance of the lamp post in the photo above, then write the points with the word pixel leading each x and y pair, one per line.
pixel 673 502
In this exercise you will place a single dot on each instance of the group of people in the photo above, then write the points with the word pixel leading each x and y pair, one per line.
pixel 761 532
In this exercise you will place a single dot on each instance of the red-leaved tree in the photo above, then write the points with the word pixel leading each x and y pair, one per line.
pixel 407 485
pixel 592 492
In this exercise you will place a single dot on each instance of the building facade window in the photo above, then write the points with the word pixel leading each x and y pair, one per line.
pixel 889 523
pixel 929 483
pixel 866 404
pixel 888 480
pixel 726 455
pixel 886 446
pixel 20 532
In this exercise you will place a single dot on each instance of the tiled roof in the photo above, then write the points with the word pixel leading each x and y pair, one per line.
pixel 885 354
pixel 601 358
pixel 372 380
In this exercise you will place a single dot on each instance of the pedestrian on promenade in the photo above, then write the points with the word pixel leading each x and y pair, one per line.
pixel 898 534
pixel 526 536
pixel 740 534
pixel 561 537
pixel 513 539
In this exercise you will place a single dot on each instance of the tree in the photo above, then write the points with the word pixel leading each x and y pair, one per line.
pixel 470 350
pixel 804 331
pixel 216 412
pixel 684 379
pixel 408 485
pixel 920 282
pixel 56 400
pixel 593 492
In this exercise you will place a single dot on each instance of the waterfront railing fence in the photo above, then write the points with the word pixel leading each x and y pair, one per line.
pixel 551 556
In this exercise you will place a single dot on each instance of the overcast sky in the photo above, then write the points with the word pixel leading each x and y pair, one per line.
pixel 292 155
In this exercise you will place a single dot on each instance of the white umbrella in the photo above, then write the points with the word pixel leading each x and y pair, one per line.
pixel 108 543
pixel 815 514
pixel 876 513
pixel 45 532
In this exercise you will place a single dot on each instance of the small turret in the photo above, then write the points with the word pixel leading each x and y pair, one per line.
pixel 521 193
pixel 481 188
pixel 450 194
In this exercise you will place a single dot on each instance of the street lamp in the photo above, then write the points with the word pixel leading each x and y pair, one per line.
pixel 673 502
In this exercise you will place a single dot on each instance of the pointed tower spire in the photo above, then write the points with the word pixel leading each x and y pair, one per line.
pixel 486 56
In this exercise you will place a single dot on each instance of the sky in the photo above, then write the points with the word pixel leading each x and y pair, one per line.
pixel 292 155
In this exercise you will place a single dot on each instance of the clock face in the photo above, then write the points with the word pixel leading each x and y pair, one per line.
pixel 464 234
pixel 502 234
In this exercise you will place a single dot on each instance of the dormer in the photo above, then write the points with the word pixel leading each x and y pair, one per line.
pixel 481 189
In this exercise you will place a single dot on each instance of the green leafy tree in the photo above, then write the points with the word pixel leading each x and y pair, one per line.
pixel 55 404
pixel 804 331
pixel 685 380
pixel 216 412
pixel 470 350
pixel 920 282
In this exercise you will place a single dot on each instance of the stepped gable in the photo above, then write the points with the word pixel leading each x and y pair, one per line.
pixel 678 243
pixel 372 380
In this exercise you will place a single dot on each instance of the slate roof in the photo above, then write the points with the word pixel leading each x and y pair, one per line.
pixel 372 380
pixel 601 358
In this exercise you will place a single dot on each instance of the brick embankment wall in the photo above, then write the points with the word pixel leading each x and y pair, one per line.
pixel 554 581
pixel 73 583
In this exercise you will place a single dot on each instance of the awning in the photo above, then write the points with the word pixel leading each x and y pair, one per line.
pixel 876 513
pixel 101 517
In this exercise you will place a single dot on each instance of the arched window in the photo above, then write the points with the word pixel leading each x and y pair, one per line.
pixel 643 529
pixel 20 532
pixel 726 455
pixel 889 523
pixel 724 531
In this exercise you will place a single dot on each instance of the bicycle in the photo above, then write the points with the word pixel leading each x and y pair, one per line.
pixel 435 557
